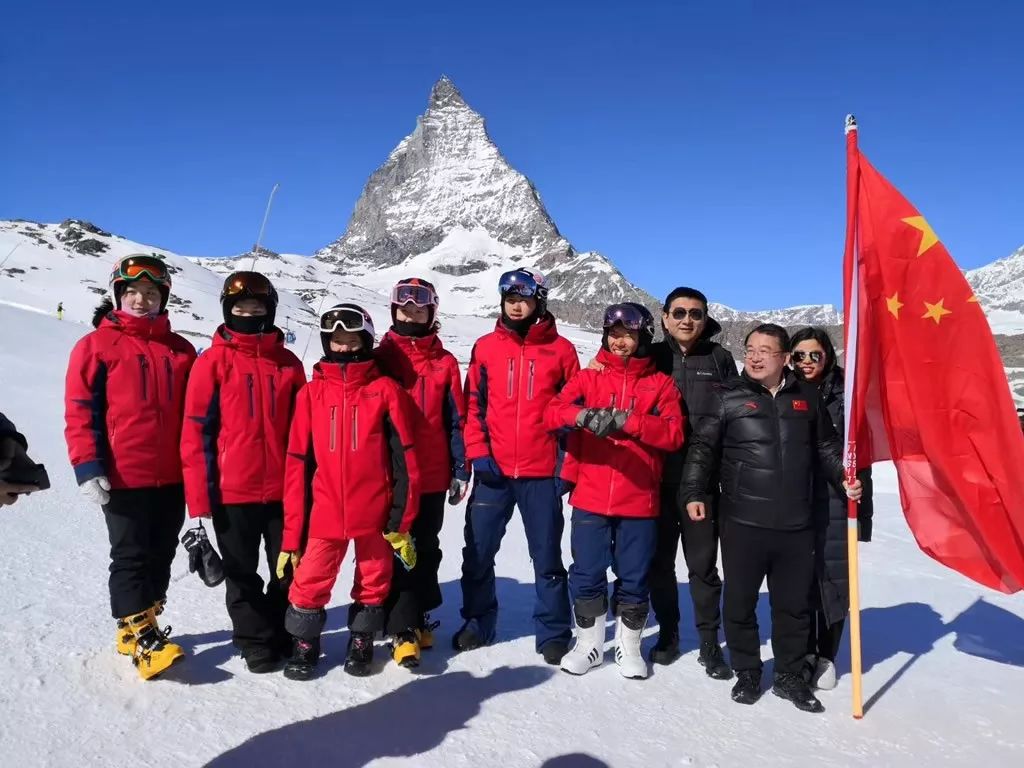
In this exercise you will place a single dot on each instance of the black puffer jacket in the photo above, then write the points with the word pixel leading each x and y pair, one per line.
pixel 698 374
pixel 769 447
pixel 832 581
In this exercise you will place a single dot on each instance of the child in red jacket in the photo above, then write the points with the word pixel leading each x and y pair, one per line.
pixel 124 398
pixel 412 353
pixel 351 475
pixel 629 416
pixel 238 406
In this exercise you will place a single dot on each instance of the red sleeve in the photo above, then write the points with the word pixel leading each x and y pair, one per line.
pixel 561 412
pixel 403 414
pixel 199 432
pixel 662 430
pixel 85 398
pixel 298 465
pixel 477 444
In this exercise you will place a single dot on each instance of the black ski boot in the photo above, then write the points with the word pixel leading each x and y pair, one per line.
pixel 553 651
pixel 305 655
pixel 748 686
pixel 360 654
pixel 666 650
pixel 792 687
pixel 713 661
pixel 261 659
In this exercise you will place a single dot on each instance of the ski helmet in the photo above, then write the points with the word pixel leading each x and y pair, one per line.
pixel 525 282
pixel 140 266
pixel 632 317
pixel 419 292
pixel 348 317
pixel 248 285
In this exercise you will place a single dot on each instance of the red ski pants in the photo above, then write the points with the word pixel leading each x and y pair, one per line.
pixel 318 570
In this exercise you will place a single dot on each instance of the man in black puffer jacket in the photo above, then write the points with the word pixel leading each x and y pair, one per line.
pixel 769 432
pixel 699 366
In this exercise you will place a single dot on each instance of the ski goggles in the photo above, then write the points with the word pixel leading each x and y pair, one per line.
pixel 351 319
pixel 136 267
pixel 815 357
pixel 519 283
pixel 412 293
pixel 247 284
pixel 628 316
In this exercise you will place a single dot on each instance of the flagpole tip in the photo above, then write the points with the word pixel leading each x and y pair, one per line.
pixel 850 123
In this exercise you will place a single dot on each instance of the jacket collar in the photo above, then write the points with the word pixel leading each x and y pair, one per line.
pixel 629 366
pixel 347 374
pixel 543 331
pixel 413 346
pixel 248 343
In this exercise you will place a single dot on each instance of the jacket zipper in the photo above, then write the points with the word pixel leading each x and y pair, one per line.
pixel 423 394
pixel 143 377
pixel 252 402
pixel 509 390
pixel 611 482
pixel 355 427
pixel 334 426
pixel 170 379
pixel 529 383
pixel 515 463
pixel 273 396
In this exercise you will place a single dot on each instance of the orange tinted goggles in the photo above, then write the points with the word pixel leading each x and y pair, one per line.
pixel 135 267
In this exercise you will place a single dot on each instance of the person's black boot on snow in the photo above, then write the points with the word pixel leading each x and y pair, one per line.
pixel 792 687
pixel 553 651
pixel 748 686
pixel 360 654
pixel 304 658
pixel 713 661
pixel 261 659
pixel 666 650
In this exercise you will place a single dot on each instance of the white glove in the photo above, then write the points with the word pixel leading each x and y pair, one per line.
pixel 457 491
pixel 95 490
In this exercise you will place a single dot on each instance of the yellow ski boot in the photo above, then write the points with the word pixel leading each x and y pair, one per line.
pixel 405 650
pixel 154 654
pixel 125 638
pixel 425 634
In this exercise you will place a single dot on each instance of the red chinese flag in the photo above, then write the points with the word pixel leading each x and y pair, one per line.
pixel 930 391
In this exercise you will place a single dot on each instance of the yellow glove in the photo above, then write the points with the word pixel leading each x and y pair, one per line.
pixel 287 557
pixel 405 549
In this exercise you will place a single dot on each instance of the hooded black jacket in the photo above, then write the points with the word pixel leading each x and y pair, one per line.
pixel 698 374
pixel 769 448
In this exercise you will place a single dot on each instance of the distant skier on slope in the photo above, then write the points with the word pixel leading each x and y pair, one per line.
pixel 513 374
pixel 412 353
pixel 629 417
pixel 124 399
pixel 60 310
pixel 337 492
pixel 238 407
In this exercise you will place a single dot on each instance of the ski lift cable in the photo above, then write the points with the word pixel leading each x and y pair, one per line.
pixel 259 237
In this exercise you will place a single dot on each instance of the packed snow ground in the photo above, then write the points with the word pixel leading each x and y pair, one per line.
pixel 944 658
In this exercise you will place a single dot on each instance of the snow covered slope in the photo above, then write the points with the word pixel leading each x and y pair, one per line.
pixel 1000 288
pixel 944 658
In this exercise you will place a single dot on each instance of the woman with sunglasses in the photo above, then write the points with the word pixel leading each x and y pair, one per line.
pixel 629 417
pixel 412 353
pixel 124 399
pixel 351 477
pixel 813 359
pixel 238 406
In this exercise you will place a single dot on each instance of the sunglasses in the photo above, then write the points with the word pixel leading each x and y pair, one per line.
pixel 348 319
pixel 136 267
pixel 694 313
pixel 815 356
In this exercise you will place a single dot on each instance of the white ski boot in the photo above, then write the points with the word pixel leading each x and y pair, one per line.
pixel 588 652
pixel 824 677
pixel 629 626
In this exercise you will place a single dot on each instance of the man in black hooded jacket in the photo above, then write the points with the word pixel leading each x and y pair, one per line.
pixel 770 432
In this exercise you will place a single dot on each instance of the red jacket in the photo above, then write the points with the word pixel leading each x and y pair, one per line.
pixel 123 400
pixel 619 475
pixel 430 375
pixel 510 383
pixel 351 469
pixel 237 409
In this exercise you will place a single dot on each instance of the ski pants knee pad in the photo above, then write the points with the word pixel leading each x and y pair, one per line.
pixel 304 623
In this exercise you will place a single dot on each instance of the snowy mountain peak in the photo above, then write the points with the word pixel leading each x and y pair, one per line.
pixel 446 202
pixel 999 287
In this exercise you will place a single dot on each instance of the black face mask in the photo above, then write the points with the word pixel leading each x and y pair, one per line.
pixel 359 356
pixel 415 330
pixel 249 325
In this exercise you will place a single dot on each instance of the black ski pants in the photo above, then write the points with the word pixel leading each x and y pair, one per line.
pixel 700 551
pixel 416 592
pixel 824 639
pixel 786 558
pixel 257 615
pixel 143 526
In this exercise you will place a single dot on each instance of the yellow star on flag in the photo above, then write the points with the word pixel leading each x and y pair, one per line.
pixel 894 305
pixel 972 300
pixel 936 311
pixel 928 236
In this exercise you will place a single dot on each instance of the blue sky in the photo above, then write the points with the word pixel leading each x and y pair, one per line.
pixel 694 143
